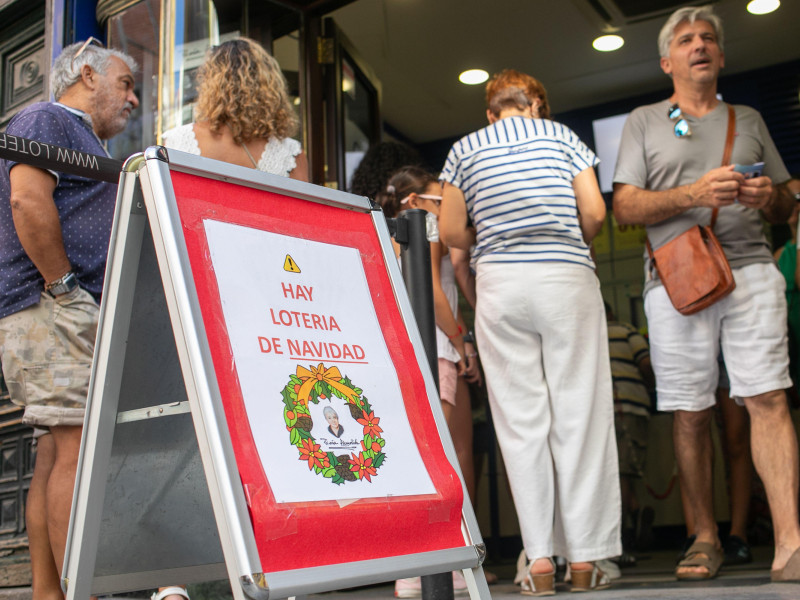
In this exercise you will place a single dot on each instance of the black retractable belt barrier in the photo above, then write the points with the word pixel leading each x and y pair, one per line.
pixel 57 158
pixel 410 232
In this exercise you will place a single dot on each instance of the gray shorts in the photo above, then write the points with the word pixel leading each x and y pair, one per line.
pixel 46 352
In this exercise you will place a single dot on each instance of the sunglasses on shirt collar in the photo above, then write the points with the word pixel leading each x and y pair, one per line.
pixel 681 127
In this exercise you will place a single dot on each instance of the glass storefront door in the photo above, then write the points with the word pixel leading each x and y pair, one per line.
pixel 353 108
pixel 169 39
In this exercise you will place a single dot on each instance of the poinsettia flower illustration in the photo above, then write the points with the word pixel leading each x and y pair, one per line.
pixel 310 451
pixel 375 447
pixel 370 423
pixel 362 466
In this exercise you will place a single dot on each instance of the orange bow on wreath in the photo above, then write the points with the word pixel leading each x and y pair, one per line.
pixel 330 376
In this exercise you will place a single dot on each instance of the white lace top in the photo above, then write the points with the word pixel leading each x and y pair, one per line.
pixel 278 157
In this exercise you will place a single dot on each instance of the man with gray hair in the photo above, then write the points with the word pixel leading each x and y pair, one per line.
pixel 54 236
pixel 668 177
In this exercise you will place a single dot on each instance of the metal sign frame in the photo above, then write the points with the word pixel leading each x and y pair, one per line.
pixel 156 453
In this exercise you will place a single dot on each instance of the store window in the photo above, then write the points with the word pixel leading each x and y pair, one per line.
pixel 169 39
pixel 190 27
pixel 135 32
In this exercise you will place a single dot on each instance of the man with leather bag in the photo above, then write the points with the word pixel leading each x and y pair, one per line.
pixel 674 174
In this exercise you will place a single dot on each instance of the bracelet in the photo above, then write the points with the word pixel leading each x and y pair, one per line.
pixel 455 335
pixel 472 355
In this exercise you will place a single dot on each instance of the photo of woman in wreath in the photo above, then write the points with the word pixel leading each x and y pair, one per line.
pixel 332 417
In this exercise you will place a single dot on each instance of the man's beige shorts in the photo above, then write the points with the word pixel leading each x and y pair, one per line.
pixel 46 352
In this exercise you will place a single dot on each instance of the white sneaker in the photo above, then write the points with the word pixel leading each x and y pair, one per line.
pixel 610 568
pixel 408 588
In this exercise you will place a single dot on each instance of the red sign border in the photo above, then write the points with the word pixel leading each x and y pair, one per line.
pixel 302 535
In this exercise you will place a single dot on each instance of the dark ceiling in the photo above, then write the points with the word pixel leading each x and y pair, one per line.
pixel 417 48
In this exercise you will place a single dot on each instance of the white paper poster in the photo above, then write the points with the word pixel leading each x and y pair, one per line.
pixel 319 387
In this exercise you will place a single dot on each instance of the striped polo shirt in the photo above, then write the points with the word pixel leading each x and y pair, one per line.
pixel 516 176
pixel 627 348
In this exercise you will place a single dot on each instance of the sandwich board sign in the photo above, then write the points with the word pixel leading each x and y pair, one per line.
pixel 261 408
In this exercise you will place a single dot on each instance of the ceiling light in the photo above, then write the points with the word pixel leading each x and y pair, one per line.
pixel 473 76
pixel 762 7
pixel 608 43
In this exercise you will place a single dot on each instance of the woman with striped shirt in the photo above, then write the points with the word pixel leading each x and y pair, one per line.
pixel 523 191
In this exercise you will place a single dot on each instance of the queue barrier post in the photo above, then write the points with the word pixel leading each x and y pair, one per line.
pixel 415 256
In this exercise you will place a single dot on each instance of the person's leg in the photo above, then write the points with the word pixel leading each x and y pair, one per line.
pixel 630 503
pixel 67 442
pixel 694 454
pixel 459 422
pixel 688 516
pixel 774 446
pixel 518 396
pixel 627 475
pixel 756 355
pixel 684 351
pixel 577 370
pixel 736 445
pixel 47 356
pixel 44 573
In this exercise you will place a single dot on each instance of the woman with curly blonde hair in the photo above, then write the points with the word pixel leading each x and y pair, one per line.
pixel 242 112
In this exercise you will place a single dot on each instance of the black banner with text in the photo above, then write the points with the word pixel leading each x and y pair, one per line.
pixel 59 159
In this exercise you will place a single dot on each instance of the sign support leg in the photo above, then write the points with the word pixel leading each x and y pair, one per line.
pixel 102 404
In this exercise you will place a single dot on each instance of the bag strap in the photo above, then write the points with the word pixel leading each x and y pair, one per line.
pixel 726 155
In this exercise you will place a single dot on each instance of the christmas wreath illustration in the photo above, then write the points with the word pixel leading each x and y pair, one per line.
pixel 320 383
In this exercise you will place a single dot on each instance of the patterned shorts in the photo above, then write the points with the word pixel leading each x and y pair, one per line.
pixel 46 353
pixel 631 443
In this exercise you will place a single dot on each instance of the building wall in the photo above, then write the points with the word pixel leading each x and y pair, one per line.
pixel 23 63
pixel 23 73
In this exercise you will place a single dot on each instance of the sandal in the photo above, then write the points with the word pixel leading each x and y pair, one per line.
pixel 701 554
pixel 587 580
pixel 790 573
pixel 540 584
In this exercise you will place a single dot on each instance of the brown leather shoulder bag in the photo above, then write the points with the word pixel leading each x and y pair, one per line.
pixel 693 266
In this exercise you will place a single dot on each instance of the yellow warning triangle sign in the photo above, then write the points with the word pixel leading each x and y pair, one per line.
pixel 290 265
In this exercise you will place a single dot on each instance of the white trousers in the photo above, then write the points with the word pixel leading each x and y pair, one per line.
pixel 543 340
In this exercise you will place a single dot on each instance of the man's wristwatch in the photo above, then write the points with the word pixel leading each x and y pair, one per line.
pixel 64 284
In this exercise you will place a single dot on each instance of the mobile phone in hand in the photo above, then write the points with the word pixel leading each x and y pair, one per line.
pixel 750 171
